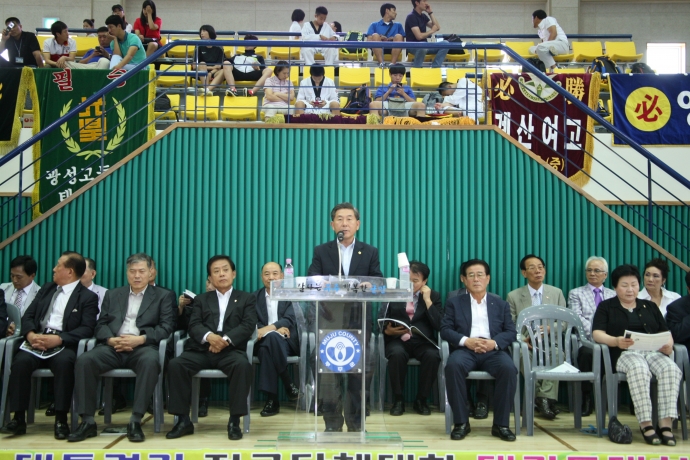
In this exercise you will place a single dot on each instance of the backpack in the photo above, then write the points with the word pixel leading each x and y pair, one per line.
pixel 357 101
pixel 455 39
pixel 536 62
pixel 360 53
pixel 604 66
pixel 162 103
pixel 641 67
pixel 430 101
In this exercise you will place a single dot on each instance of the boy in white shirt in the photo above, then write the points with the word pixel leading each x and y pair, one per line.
pixel 319 30
pixel 317 94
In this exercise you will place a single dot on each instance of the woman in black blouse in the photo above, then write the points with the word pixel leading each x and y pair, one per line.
pixel 626 312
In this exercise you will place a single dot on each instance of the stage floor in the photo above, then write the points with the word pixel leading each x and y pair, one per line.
pixel 418 433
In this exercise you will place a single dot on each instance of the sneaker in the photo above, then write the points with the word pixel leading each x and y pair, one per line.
pixel 250 92
pixel 209 92
pixel 382 65
pixel 231 92
pixel 191 89
pixel 552 51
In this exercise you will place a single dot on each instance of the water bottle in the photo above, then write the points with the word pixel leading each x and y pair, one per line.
pixel 289 279
pixel 405 277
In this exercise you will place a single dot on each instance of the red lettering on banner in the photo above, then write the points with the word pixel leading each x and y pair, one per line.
pixel 646 111
pixel 117 73
pixel 63 80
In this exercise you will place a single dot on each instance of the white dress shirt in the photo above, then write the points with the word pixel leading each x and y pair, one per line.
pixel 533 291
pixel 129 324
pixel 666 298
pixel 55 320
pixel 480 321
pixel 346 255
pixel 272 309
pixel 223 300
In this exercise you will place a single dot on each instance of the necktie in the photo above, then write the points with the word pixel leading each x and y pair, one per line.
pixel 536 300
pixel 46 318
pixel 410 309
pixel 597 296
pixel 19 300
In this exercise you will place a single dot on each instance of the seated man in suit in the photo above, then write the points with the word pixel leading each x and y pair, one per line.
pixel 273 348
pixel 133 321
pixel 479 331
pixel 62 313
pixel 22 290
pixel 536 292
pixel 425 314
pixel 357 259
pixel 3 314
pixel 678 317
pixel 222 323
pixel 584 301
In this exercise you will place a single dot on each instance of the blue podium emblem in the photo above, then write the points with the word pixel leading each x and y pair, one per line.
pixel 340 351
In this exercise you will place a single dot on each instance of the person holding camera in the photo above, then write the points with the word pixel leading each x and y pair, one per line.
pixel 22 47
pixel 97 58
pixel 317 94
pixel 396 94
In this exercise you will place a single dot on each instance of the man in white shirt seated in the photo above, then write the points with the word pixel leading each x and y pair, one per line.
pixel 319 30
pixel 317 94
pixel 479 330
pixel 553 39
pixel 22 290
pixel 61 49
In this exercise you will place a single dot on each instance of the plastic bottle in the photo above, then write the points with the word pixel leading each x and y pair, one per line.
pixel 405 277
pixel 289 278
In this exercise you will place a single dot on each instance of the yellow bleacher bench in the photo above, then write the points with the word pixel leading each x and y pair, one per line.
pixel 522 49
pixel 202 107
pixel 354 76
pixel 622 52
pixel 428 78
pixel 586 51
pixel 240 108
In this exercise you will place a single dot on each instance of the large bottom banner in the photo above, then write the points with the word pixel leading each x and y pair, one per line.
pixel 535 115
pixel 70 157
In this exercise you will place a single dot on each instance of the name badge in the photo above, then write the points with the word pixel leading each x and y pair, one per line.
pixel 19 60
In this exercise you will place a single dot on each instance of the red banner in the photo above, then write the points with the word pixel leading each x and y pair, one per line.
pixel 536 116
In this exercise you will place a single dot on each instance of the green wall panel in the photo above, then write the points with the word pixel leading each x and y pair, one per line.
pixel 8 212
pixel 262 194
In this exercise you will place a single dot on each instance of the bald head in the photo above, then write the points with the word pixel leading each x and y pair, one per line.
pixel 271 271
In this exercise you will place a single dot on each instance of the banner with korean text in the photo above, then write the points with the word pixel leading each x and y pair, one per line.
pixel 536 116
pixel 70 157
pixel 651 109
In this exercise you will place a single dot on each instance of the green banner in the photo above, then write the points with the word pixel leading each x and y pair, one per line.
pixel 70 157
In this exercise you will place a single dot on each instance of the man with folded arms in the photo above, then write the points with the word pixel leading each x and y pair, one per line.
pixel 62 313
pixel 134 319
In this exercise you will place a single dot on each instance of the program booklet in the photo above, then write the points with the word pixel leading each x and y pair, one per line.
pixel 413 330
pixel 189 294
pixel 26 346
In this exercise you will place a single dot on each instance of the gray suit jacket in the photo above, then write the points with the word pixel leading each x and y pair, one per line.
pixel 581 301
pixel 519 299
pixel 100 292
pixel 9 292
pixel 155 317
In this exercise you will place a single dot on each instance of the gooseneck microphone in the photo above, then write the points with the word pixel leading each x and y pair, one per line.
pixel 340 236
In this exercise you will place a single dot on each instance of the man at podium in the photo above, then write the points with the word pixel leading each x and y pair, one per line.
pixel 356 259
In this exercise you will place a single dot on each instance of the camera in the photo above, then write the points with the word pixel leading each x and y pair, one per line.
pixel 10 26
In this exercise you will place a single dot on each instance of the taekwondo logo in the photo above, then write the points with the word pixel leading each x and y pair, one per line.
pixel 340 351
pixel 647 109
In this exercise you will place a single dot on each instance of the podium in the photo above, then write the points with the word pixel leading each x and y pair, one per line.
pixel 338 315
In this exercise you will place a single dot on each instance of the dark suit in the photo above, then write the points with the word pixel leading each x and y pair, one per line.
pixel 678 320
pixel 428 321
pixel 364 262
pixel 456 324
pixel 239 323
pixel 78 322
pixel 3 315
pixel 154 320
pixel 273 350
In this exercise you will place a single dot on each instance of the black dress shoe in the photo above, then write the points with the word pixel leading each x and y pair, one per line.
pixel 553 405
pixel 203 407
pixel 586 405
pixel 481 412
pixel 542 407
pixel 421 407
pixel 234 432
pixel 15 427
pixel 61 431
pixel 398 408
pixel 332 429
pixel 460 430
pixel 502 432
pixel 292 392
pixel 271 408
pixel 134 433
pixel 180 429
pixel 354 429
pixel 470 408
pixel 85 430
pixel 50 411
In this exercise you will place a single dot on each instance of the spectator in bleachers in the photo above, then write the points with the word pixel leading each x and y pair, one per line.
pixel 463 99
pixel 148 27
pixel 416 23
pixel 319 30
pixel 120 11
pixel 127 48
pixel 248 66
pixel 61 49
pixel 89 24
pixel 655 274
pixel 678 317
pixel 297 23
pixel 553 39
pixel 395 90
pixel 317 94
pixel 278 91
pixel 386 30
pixel 209 59
pixel 97 58
pixel 22 47
pixel 337 28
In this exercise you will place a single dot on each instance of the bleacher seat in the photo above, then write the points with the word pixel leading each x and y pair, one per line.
pixel 283 53
pixel 85 44
pixel 202 107
pixel 171 80
pixel 229 51
pixel 586 51
pixel 622 52
pixel 41 39
pixel 171 114
pixel 488 55
pixel 386 56
pixel 521 48
pixel 329 71
pixel 294 74
pixel 260 51
pixel 453 75
pixel 354 76
pixel 240 108
pixel 426 78
pixel 571 70
pixel 460 57
pixel 182 51
pixel 382 77
pixel 564 57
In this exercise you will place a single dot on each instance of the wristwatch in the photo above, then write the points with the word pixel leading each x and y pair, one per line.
pixel 227 339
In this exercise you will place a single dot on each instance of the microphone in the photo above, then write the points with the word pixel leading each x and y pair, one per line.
pixel 340 236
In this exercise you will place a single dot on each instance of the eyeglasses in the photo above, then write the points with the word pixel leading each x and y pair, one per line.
pixel 478 276
pixel 596 271
pixel 534 268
